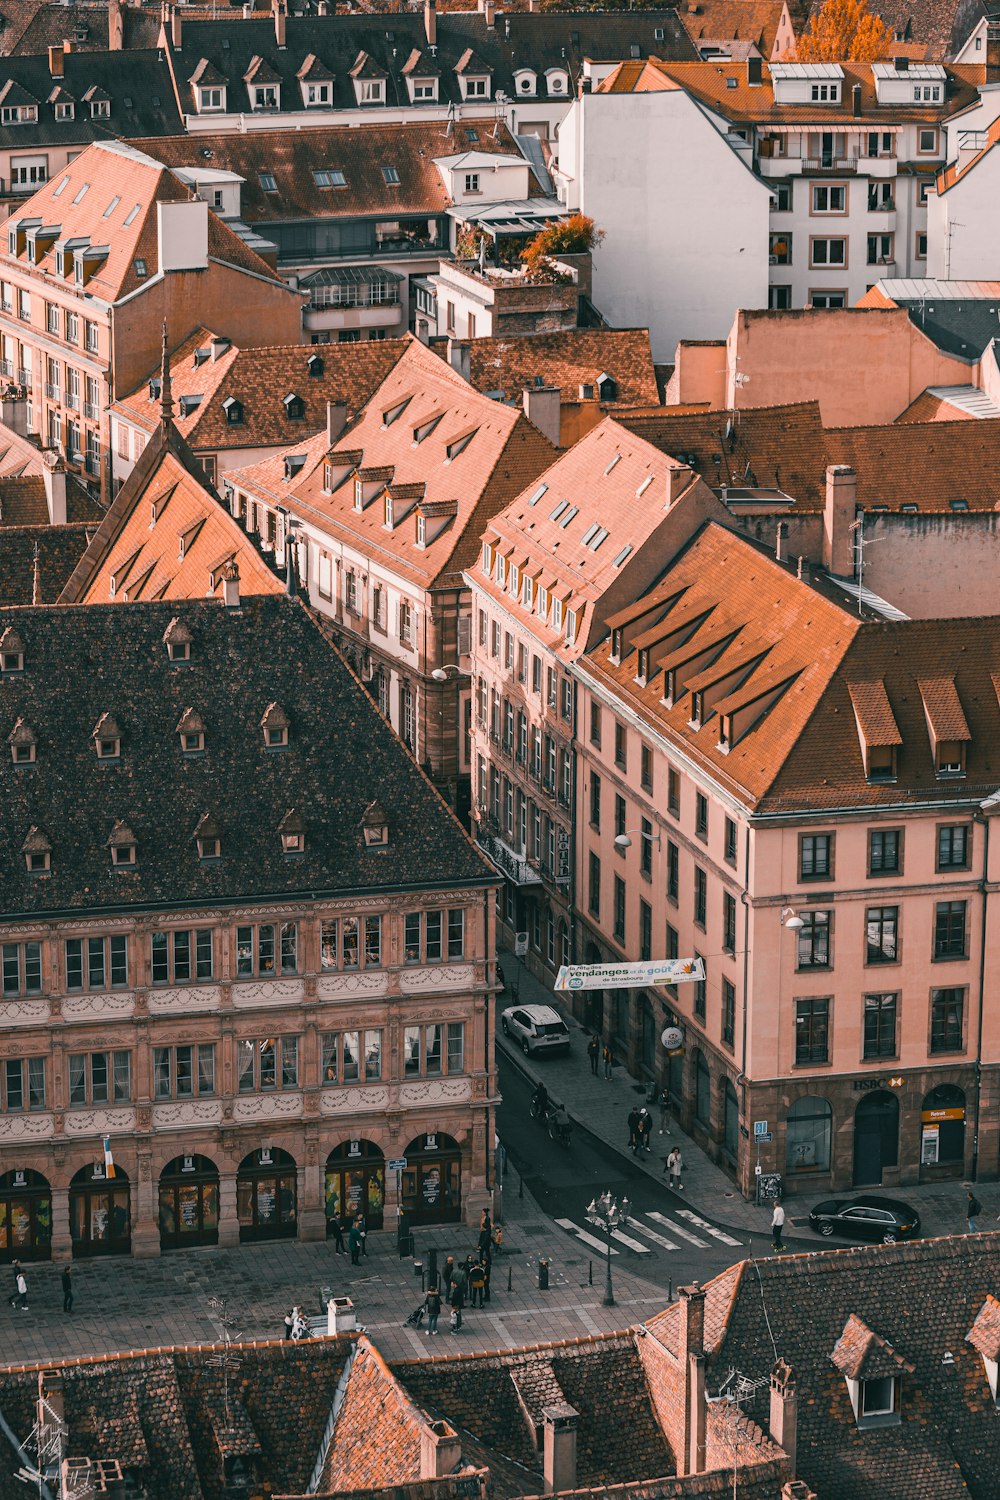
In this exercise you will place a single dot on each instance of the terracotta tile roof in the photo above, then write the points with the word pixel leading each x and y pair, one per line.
pixel 943 708
pixel 930 464
pixel 930 408
pixel 756 21
pixel 177 555
pixel 860 1354
pixel 724 87
pixel 874 713
pixel 36 561
pixel 376 1440
pixel 110 170
pixel 504 452
pixel 292 156
pixel 260 379
pixel 590 514
pixel 567 360
pixel 984 1334
pixel 941 26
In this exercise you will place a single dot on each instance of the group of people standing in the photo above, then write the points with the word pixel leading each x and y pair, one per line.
pixel 462 1281
pixel 357 1236
pixel 599 1052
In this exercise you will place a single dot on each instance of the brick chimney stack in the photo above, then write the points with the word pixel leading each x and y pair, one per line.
pixel 838 518
pixel 784 1419
pixel 559 1447
pixel 440 1451
pixel 692 1302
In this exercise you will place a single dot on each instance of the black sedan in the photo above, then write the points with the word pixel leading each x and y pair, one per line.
pixel 866 1219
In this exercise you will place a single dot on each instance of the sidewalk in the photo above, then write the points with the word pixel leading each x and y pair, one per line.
pixel 602 1108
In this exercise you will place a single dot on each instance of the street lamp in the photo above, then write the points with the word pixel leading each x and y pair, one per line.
pixel 791 918
pixel 606 1213
pixel 440 674
pixel 623 841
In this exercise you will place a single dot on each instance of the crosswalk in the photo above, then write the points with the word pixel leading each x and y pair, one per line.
pixel 664 1231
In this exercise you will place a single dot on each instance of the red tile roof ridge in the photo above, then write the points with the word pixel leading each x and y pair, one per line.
pixel 128 1356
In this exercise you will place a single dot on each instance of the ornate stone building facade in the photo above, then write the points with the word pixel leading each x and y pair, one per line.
pixel 242 940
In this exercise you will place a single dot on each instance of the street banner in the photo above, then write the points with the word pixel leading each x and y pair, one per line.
pixel 629 976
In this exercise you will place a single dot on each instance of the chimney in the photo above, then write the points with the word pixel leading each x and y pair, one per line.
pixel 54 479
pixel 336 420
pixel 69 46
pixel 543 409
pixel 57 62
pixel 559 1447
pixel 993 52
pixel 280 16
pixel 460 357
pixel 797 1489
pixel 781 544
pixel 231 586
pixel 679 476
pixel 901 64
pixel 116 26
pixel 802 571
pixel 754 74
pixel 692 1302
pixel 838 518
pixel 856 101
pixel 532 7
pixel 586 86
pixel 489 10
pixel 182 235
pixel 431 22
pixel 440 1451
pixel 784 1409
pixel 176 28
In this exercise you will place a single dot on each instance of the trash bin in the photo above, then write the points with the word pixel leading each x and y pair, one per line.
pixel 543 1275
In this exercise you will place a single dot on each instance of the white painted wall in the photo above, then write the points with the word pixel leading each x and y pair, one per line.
pixel 686 223
pixel 964 226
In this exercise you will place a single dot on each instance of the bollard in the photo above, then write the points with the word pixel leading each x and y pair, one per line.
pixel 543 1275
pixel 509 1270
pixel 418 1270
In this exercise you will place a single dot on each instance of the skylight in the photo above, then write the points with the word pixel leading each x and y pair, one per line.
pixel 131 213
pixel 644 486
pixel 559 508
pixel 267 182
pixel 330 177
pixel 574 510
pixel 111 208
pixel 61 188
pixel 612 463
pixel 600 536
pixel 541 490
pixel 590 532
pixel 622 555
pixel 391 176
pixel 82 193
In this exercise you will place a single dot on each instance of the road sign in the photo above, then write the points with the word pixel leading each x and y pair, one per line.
pixel 397 1164
pixel 765 1139
pixel 759 1128
pixel 520 945
pixel 672 1037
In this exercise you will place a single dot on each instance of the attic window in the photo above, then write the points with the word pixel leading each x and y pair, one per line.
pixel 64 111
pixel 123 847
pixel 634 50
pixel 130 216
pixel 295 407
pixel 209 848
pixel 622 555
pixel 274 724
pixel 140 267
pixel 390 176
pixel 111 208
pixel 191 730
pixel 292 829
pixel 881 762
pixel 294 462
pixel 959 504
pixel 644 486
pixel 100 109
pixel 82 193
pixel 391 413
pixel 388 512
pixel 564 521
pixel 616 646
pixel 611 465
pixel 37 851
pixel 107 738
pixel 330 177
pixel 268 182
pixel 64 183
pixel 537 495
pixel 208 838
pixel 424 429
pixel 315 366
pixel 458 445
pixel 375 827
pixel 11 651
pixel 558 509
pixel 23 744
pixel 177 639
pixel 731 83
pixel 233 410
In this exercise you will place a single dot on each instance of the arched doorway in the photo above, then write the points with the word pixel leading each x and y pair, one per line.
pixel 876 1137
pixel 432 1181
pixel 25 1216
pixel 189 1203
pixel 266 1196
pixel 702 1091
pixel 808 1135
pixel 730 1119
pixel 100 1220
pixel 355 1183
pixel 942 1132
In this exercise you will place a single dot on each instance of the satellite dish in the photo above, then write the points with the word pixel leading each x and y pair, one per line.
pixel 672 1037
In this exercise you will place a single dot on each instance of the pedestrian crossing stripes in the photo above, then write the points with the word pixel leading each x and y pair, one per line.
pixel 638 1225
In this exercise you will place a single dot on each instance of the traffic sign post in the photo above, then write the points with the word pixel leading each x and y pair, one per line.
pixel 761 1137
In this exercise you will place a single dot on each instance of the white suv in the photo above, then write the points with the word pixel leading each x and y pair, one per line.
pixel 539 1028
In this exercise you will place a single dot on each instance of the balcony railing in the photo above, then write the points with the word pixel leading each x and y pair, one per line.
pixel 515 866
pixel 829 164
pixel 24 377
pixel 52 391
pixel 72 400
pixel 7 368
pixel 90 411
pixel 887 206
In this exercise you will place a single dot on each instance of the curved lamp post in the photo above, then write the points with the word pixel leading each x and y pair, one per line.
pixel 608 1214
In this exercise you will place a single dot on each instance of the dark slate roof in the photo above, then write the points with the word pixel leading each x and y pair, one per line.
pixel 961 328
pixel 138 83
pixel 342 753
pixel 538 41
pixel 36 561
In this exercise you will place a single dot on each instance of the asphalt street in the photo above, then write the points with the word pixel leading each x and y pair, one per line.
pixel 667 1240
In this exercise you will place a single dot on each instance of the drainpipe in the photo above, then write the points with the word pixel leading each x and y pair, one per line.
pixel 983 886
pixel 744 897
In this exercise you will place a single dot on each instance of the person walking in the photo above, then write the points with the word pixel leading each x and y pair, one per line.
pixel 447 1273
pixel 633 1130
pixel 777 1225
pixel 487 1264
pixel 22 1290
pixel 609 1063
pixel 336 1230
pixel 354 1241
pixel 477 1283
pixel 673 1166
pixel 662 1099
pixel 973 1209
pixel 363 1232
pixel 594 1052
pixel 645 1129
pixel 67 1288
pixel 289 1325
pixel 432 1307
pixel 457 1303
pixel 15 1267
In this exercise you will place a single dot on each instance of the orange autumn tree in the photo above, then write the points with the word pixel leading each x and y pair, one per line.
pixel 842 31
pixel 573 236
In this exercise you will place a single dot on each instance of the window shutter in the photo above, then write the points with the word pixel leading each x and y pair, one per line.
pixel 396 630
pixel 465 635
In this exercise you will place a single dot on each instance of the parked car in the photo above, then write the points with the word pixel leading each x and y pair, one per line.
pixel 538 1028
pixel 866 1219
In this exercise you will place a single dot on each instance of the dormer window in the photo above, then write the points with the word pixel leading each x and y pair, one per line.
pixel 295 407
pixel 371 91
pixel 23 744
pixel 557 82
pixel 11 651
pixel 388 512
pixel 37 851
pixel 123 847
pixel 100 109
pixel 107 738
pixel 315 366
pixel 234 411
pixel 292 830
pixel 525 81
pixel 528 595
pixel 476 88
pixel 375 826
pixel 191 730
pixel 616 647
pixel 359 495
pixel 874 1373
pixel 177 639
pixel 209 99
pixel 265 96
pixel 642 668
pixel 65 110
pixel 208 838
pixel 275 725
